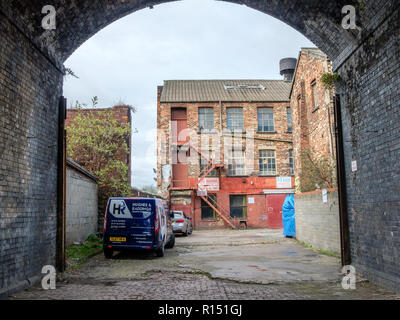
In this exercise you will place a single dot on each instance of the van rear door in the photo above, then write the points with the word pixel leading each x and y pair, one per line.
pixel 130 222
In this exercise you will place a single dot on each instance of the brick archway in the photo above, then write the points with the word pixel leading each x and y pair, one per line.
pixel 31 78
pixel 78 21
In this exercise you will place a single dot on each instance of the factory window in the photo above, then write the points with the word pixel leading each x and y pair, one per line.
pixel 236 163
pixel 291 163
pixel 207 212
pixel 314 95
pixel 238 206
pixel 289 120
pixel 206 119
pixel 204 165
pixel 267 162
pixel 266 120
pixel 234 119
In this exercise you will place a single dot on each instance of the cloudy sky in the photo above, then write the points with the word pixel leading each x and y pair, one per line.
pixel 190 39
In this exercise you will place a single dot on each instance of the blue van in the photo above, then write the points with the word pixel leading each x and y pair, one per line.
pixel 137 223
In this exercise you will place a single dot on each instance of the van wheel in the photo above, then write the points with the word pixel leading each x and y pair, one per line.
pixel 171 242
pixel 108 253
pixel 160 251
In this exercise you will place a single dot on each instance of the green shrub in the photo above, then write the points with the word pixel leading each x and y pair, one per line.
pixel 329 80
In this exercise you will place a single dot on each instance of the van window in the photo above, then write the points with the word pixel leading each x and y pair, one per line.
pixel 162 215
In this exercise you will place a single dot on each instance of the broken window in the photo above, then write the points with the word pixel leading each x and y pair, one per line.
pixel 206 119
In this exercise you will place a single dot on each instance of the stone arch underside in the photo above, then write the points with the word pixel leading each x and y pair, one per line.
pixel 31 77
pixel 77 21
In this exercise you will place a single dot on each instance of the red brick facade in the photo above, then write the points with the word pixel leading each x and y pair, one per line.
pixel 261 197
pixel 312 110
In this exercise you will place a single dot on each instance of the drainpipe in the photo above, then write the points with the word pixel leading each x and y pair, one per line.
pixel 220 116
pixel 220 142
pixel 61 178
pixel 341 178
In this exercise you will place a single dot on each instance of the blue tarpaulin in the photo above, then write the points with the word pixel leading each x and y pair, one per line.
pixel 289 225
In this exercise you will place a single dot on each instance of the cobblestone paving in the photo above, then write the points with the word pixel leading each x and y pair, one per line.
pixel 193 271
pixel 178 286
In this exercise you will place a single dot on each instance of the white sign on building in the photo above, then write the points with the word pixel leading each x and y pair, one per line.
pixel 283 182
pixel 209 184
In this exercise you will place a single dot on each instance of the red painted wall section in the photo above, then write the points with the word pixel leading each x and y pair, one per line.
pixel 256 212
pixel 265 212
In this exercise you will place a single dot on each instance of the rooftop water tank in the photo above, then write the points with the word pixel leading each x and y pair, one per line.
pixel 287 67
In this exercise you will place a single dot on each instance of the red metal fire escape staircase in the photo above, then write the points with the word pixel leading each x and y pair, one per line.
pixel 221 211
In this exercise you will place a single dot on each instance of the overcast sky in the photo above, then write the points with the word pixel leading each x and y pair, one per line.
pixel 190 39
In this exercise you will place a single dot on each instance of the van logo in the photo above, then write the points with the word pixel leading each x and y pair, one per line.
pixel 119 209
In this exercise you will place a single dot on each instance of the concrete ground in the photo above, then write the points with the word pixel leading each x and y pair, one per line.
pixel 213 264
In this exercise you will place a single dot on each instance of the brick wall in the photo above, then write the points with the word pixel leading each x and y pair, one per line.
pixel 30 87
pixel 81 206
pixel 317 223
pixel 370 98
pixel 313 121
pixel 280 141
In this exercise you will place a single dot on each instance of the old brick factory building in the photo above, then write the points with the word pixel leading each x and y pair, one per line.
pixel 314 152
pixel 313 122
pixel 225 154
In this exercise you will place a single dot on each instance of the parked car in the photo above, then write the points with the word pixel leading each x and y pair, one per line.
pixel 137 223
pixel 181 223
